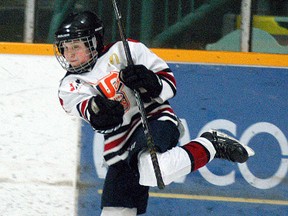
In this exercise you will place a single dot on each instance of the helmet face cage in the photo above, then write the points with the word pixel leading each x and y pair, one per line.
pixel 91 44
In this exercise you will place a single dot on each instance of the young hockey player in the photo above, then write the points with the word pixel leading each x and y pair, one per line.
pixel 98 87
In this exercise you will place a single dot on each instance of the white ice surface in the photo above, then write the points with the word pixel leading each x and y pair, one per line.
pixel 38 140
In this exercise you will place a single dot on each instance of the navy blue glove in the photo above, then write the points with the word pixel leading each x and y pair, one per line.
pixel 138 77
pixel 106 115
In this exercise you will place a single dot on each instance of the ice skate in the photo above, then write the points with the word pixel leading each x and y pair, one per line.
pixel 227 147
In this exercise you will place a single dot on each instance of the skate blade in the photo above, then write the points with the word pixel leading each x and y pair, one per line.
pixel 249 150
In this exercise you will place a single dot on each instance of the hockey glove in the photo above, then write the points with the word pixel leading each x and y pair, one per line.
pixel 138 77
pixel 106 115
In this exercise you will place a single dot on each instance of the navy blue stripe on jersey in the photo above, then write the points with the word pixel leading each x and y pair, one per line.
pixel 167 76
pixel 134 118
pixel 82 109
pixel 170 84
pixel 79 110
pixel 115 148
pixel 122 150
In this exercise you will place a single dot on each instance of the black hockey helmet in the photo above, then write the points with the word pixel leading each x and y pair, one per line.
pixel 85 26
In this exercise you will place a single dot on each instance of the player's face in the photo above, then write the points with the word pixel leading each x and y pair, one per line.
pixel 76 53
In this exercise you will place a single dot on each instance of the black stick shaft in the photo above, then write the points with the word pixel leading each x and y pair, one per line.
pixel 150 141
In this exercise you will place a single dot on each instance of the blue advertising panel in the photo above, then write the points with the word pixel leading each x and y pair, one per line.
pixel 250 103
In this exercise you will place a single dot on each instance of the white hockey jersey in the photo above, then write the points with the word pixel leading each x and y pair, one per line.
pixel 76 89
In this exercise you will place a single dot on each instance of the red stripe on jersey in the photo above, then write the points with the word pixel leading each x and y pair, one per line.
pixel 116 142
pixel 83 108
pixel 161 111
pixel 199 154
pixel 61 101
pixel 113 144
pixel 167 76
pixel 133 40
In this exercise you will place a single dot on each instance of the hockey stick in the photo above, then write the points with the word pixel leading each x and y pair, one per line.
pixel 150 142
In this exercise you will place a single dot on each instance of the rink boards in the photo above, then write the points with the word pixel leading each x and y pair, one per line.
pixel 248 102
pixel 215 89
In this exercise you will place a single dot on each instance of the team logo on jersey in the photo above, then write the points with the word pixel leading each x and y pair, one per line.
pixel 74 85
pixel 112 88
pixel 114 59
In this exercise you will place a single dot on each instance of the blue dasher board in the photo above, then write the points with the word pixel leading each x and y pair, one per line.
pixel 250 103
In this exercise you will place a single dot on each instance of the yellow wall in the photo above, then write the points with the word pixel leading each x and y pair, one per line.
pixel 171 55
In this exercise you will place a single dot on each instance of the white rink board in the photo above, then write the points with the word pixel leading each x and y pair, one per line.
pixel 38 144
